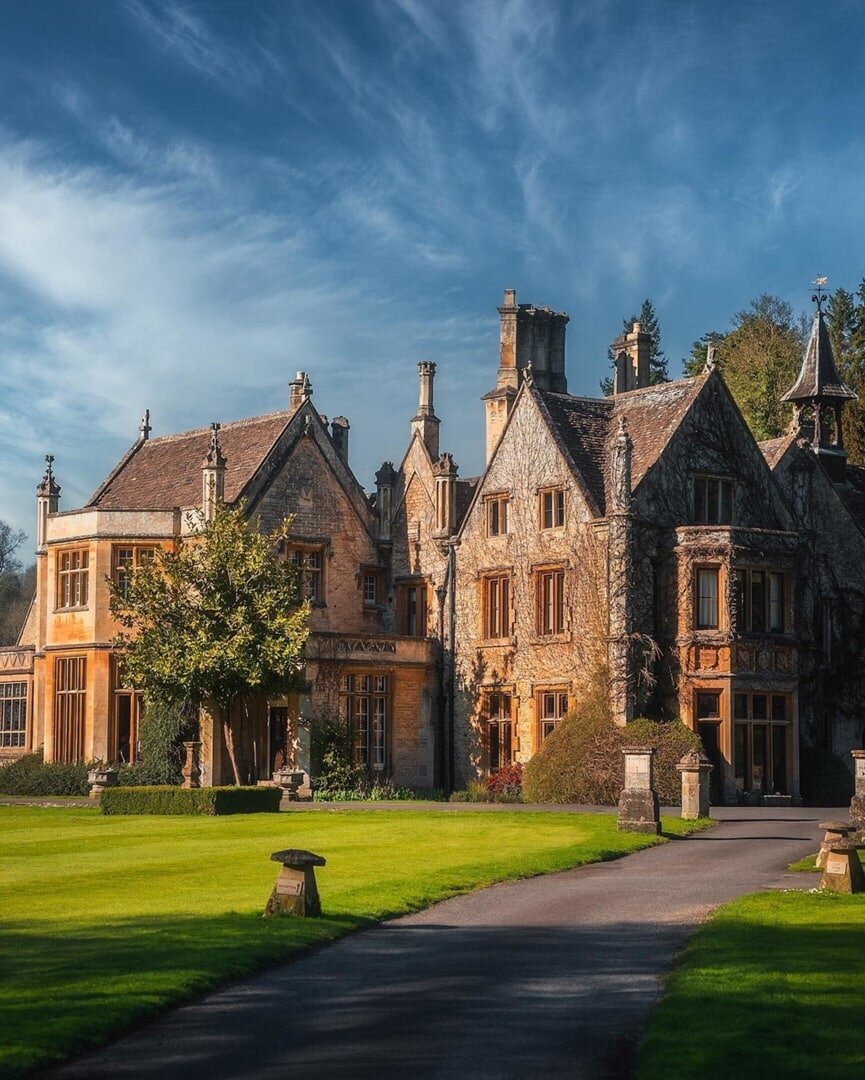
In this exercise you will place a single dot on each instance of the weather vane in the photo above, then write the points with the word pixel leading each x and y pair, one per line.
pixel 819 296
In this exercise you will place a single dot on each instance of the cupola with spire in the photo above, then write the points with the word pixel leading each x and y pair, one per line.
pixel 820 394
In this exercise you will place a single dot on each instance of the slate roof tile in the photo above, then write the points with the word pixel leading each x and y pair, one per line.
pixel 159 474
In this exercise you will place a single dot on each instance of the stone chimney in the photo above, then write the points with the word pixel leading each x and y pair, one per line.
pixel 531 339
pixel 384 481
pixel 631 360
pixel 299 391
pixel 213 475
pixel 426 423
pixel 47 502
pixel 339 433
pixel 445 472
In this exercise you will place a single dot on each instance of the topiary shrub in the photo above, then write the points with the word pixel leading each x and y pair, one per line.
pixel 214 801
pixel 826 780
pixel 30 775
pixel 582 761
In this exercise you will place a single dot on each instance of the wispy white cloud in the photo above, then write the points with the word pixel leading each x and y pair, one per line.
pixel 183 33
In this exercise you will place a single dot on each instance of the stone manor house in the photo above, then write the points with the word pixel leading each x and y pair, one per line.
pixel 455 620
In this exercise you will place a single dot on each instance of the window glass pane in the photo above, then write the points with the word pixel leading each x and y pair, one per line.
pixel 726 502
pixel 779 760
pixel 740 757
pixel 776 603
pixel 758 600
pixel 711 501
pixel 707 599
pixel 708 704
pixel 779 707
pixel 740 706
pixel 759 707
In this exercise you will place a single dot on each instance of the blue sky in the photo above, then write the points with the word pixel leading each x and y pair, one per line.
pixel 199 199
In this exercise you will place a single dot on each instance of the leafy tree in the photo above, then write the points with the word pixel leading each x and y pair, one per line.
pixel 17 587
pixel 760 357
pixel 845 316
pixel 10 541
pixel 648 320
pixel 214 624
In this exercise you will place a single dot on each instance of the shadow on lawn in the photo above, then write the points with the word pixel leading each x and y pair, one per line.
pixel 74 987
pixel 761 1000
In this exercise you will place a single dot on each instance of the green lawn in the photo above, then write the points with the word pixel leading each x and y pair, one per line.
pixel 773 985
pixel 105 920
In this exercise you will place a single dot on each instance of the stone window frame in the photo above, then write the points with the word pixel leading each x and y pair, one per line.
pixel 545 723
pixel 542 574
pixel 70 707
pixel 712 508
pixel 371 575
pixel 744 722
pixel 366 695
pixel 72 568
pixel 123 568
pixel 313 576
pixel 488 719
pixel 121 689
pixel 496 587
pixel 14 699
pixel 497 514
pixel 713 569
pixel 552 506
pixel 402 588
pixel 743 580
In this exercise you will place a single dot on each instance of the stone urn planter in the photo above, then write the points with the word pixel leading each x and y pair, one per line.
pixel 191 771
pixel 101 778
pixel 290 780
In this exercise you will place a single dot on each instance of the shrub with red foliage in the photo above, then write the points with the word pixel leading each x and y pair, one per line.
pixel 508 781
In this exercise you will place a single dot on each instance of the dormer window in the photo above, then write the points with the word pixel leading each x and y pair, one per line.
pixel 713 500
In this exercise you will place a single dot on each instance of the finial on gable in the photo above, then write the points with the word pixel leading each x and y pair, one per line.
pixel 819 297
pixel 144 427
pixel 307 387
pixel 620 467
pixel 48 485
pixel 214 459
pixel 711 357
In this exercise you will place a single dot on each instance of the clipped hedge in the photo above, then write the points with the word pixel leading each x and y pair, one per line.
pixel 582 761
pixel 30 775
pixel 214 801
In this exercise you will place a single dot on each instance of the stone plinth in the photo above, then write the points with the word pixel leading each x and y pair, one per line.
pixel 835 831
pixel 695 769
pixel 857 805
pixel 843 872
pixel 99 780
pixel 638 803
pixel 191 771
pixel 295 892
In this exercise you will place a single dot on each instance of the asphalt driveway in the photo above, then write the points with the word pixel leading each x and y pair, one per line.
pixel 549 977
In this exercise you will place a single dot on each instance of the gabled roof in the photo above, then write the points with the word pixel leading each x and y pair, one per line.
pixel 581 427
pixel 774 449
pixel 159 474
pixel 584 429
pixel 818 376
pixel 466 489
